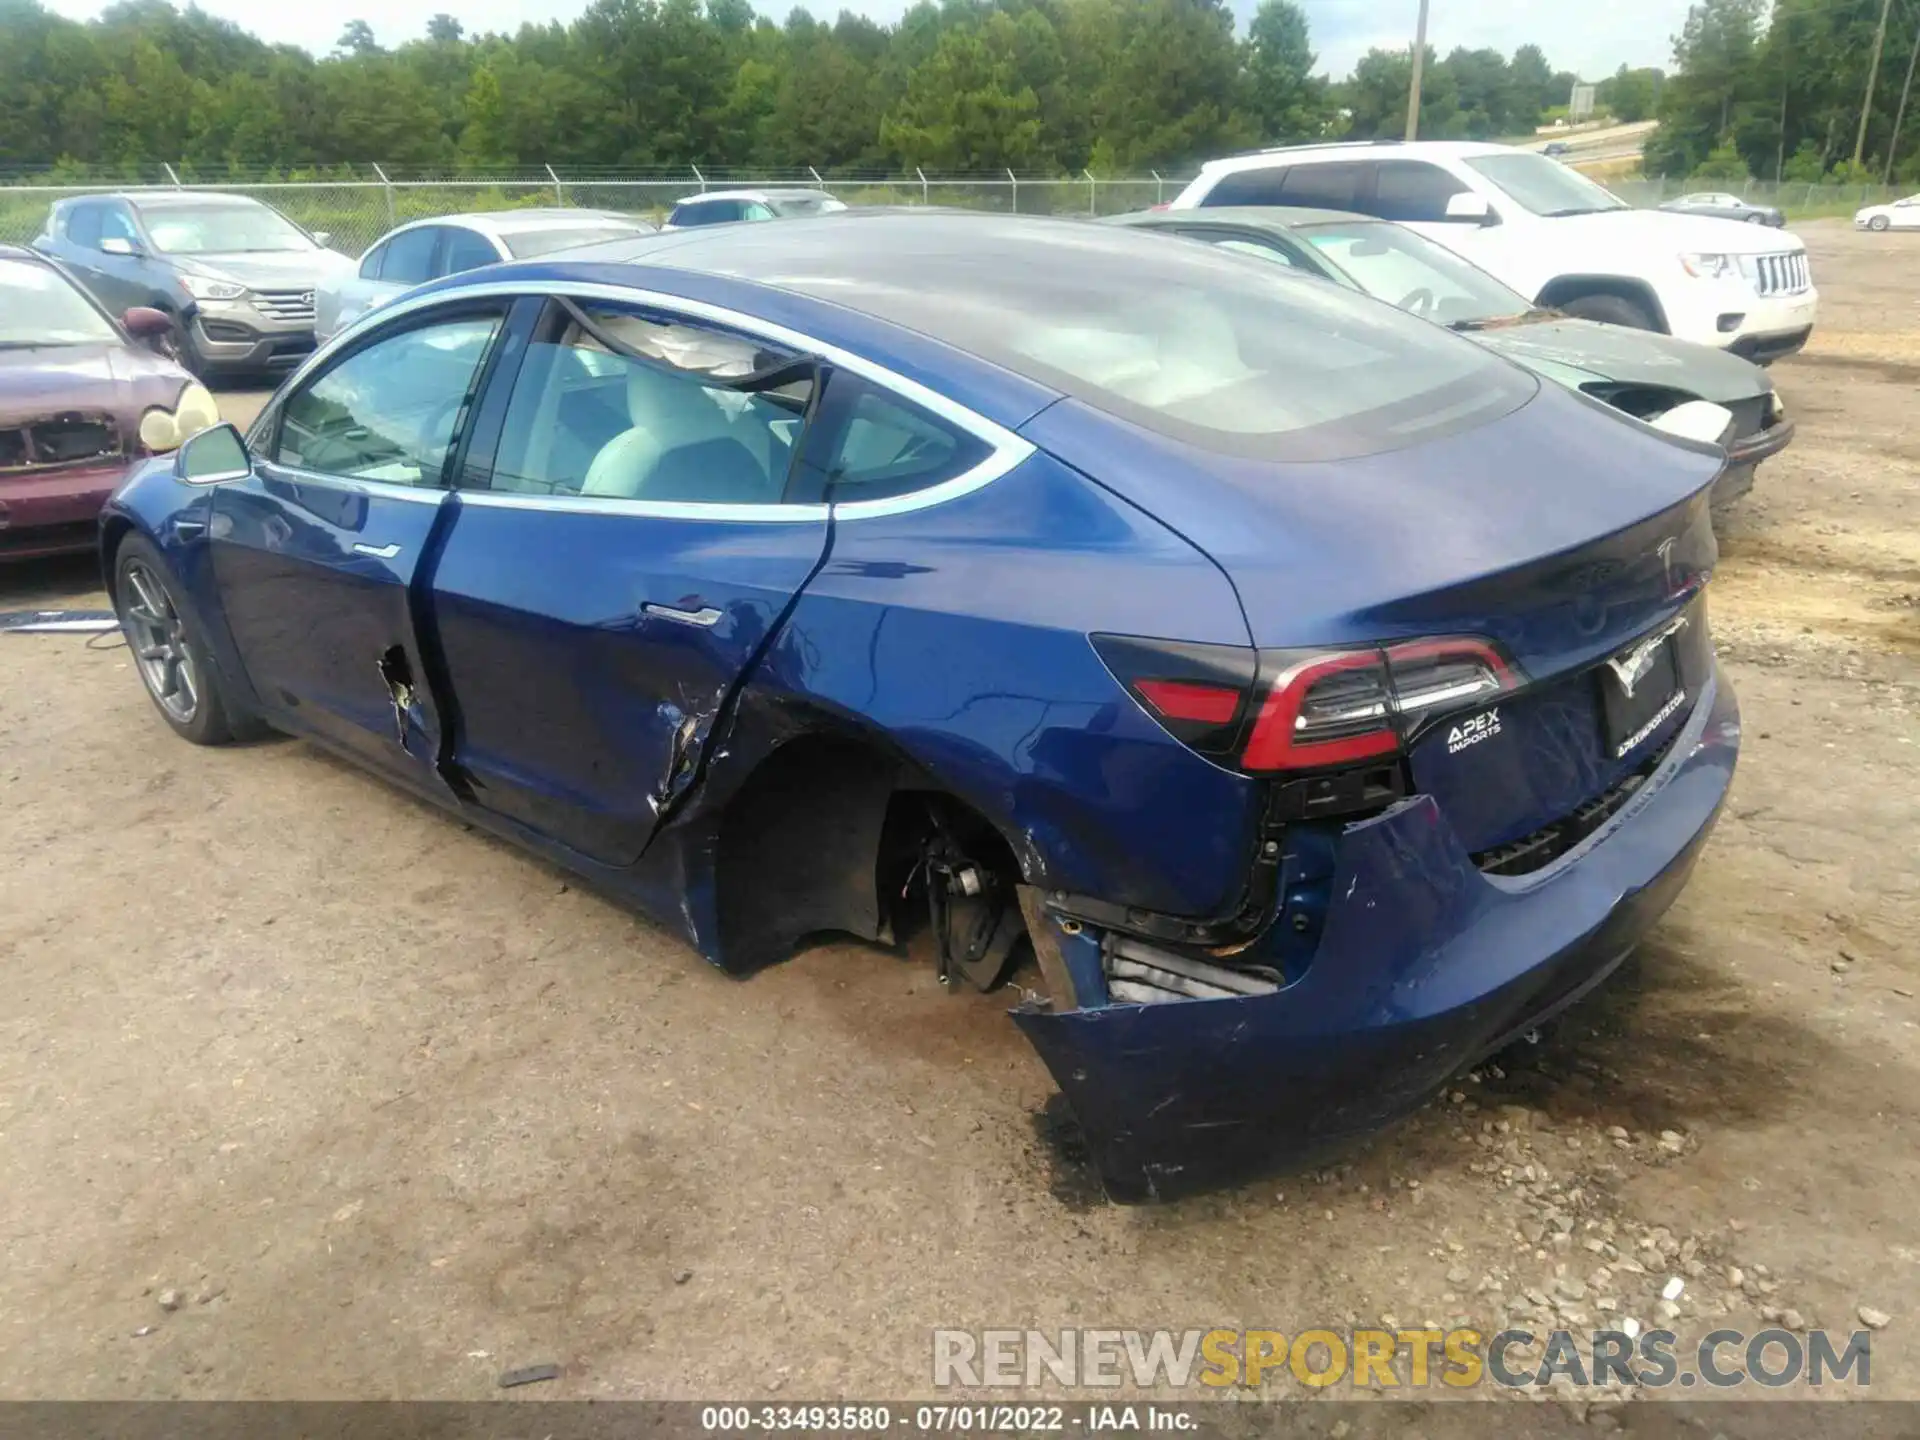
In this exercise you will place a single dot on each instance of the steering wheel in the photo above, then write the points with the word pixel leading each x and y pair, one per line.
pixel 1418 302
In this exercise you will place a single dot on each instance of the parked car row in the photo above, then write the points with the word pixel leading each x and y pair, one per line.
pixel 1293 698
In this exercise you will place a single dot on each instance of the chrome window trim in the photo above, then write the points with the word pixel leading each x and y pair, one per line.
pixel 377 489
pixel 1006 450
pixel 658 509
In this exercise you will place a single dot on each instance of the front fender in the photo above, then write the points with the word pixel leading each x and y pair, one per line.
pixel 178 519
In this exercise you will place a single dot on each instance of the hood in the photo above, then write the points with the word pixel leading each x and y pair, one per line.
pixel 268 270
pixel 1577 352
pixel 1672 230
pixel 109 378
pixel 1534 529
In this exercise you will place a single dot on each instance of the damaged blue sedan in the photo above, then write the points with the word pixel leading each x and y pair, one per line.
pixel 1290 701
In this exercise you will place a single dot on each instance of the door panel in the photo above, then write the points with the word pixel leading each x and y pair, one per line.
pixel 317 551
pixel 604 588
pixel 315 576
pixel 588 652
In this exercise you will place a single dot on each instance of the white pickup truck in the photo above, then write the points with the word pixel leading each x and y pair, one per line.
pixel 1550 233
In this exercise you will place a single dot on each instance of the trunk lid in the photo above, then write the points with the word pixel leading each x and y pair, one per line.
pixel 1562 532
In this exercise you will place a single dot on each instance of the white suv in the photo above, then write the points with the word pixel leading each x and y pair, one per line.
pixel 1551 234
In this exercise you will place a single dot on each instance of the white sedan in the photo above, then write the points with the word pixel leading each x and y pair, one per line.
pixel 425 250
pixel 1900 215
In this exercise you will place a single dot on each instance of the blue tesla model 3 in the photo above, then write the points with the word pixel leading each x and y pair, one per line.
pixel 1295 702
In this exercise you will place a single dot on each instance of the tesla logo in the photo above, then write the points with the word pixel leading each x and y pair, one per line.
pixel 1471 732
pixel 1631 668
pixel 1665 551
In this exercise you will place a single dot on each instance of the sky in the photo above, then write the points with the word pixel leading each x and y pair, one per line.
pixel 1590 39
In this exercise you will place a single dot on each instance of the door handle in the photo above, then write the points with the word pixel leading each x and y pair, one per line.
pixel 378 552
pixel 704 617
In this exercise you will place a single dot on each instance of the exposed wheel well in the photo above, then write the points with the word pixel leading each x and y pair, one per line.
pixel 1562 288
pixel 826 835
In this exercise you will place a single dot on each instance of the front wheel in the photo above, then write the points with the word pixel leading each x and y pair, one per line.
pixel 1608 310
pixel 1878 222
pixel 168 647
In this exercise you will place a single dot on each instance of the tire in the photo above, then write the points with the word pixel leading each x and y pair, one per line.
pixel 1756 218
pixel 168 646
pixel 1609 310
pixel 1878 222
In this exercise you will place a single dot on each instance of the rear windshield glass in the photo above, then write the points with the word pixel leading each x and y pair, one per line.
pixel 546 242
pixel 1207 348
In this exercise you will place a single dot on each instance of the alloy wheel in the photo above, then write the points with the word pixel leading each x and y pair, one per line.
pixel 158 638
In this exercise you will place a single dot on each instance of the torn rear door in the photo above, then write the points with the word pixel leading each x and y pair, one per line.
pixel 608 583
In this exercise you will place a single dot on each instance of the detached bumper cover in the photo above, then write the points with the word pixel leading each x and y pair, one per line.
pixel 1425 966
pixel 1743 455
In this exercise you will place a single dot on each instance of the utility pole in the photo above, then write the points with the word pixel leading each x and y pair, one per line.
pixel 1873 71
pixel 1419 60
pixel 1901 114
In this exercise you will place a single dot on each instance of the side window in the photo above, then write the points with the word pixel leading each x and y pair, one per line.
pixel 409 256
pixel 370 262
pixel 889 446
pixel 83 224
pixel 754 210
pixel 466 251
pixel 1248 187
pixel 1413 190
pixel 388 412
pixel 117 224
pixel 636 406
pixel 1326 187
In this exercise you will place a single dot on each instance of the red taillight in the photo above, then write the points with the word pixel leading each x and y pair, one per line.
pixel 1321 708
pixel 1338 707
pixel 1182 700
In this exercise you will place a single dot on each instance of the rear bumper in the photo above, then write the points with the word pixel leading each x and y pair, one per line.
pixel 1425 966
pixel 55 512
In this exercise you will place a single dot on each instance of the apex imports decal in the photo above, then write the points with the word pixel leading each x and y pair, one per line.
pixel 1483 726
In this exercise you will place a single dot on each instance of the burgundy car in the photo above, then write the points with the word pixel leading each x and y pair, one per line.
pixel 81 399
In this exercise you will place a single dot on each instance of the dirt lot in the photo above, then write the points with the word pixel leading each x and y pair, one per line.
pixel 394 1108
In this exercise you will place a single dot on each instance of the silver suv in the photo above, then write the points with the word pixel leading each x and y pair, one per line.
pixel 236 277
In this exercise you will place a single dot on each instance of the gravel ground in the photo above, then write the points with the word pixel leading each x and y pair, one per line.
pixel 306 1090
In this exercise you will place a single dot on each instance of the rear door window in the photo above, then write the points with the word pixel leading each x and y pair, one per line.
pixel 1249 187
pixel 633 406
pixel 409 259
pixel 83 224
pixel 465 251
pixel 1326 187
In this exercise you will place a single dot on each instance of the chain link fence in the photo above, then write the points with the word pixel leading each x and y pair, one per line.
pixel 356 209
pixel 354 212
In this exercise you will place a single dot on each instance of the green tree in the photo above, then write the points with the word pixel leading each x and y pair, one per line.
pixel 1285 99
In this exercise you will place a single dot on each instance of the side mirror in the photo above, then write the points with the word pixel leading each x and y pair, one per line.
pixel 119 245
pixel 1467 208
pixel 321 237
pixel 212 456
pixel 143 322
